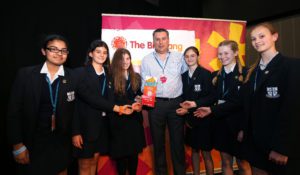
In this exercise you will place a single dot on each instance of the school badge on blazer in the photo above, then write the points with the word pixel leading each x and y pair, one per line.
pixel 197 87
pixel 272 92
pixel 70 96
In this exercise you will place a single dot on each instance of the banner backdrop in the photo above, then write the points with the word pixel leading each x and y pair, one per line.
pixel 135 33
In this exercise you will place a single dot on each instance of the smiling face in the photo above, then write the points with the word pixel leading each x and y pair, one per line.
pixel 52 57
pixel 262 39
pixel 99 55
pixel 191 58
pixel 226 55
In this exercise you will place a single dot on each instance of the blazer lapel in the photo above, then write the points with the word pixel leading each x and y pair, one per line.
pixel 62 98
pixel 195 75
pixel 269 70
pixel 93 79
pixel 36 81
pixel 235 80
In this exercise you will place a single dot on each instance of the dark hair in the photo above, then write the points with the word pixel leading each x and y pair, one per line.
pixel 194 49
pixel 98 43
pixel 118 73
pixel 160 30
pixel 235 48
pixel 53 37
pixel 272 29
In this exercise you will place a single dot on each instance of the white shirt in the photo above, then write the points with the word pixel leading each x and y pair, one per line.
pixel 100 73
pixel 60 72
pixel 172 69
pixel 229 69
pixel 263 65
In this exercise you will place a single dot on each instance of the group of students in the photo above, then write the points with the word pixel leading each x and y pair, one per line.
pixel 252 109
pixel 237 111
pixel 201 88
pixel 44 119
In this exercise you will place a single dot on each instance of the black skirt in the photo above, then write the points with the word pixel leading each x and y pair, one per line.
pixel 224 139
pixel 200 135
pixel 89 148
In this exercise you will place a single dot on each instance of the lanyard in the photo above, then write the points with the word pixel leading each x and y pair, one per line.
pixel 53 101
pixel 129 83
pixel 163 68
pixel 103 86
pixel 224 93
pixel 255 80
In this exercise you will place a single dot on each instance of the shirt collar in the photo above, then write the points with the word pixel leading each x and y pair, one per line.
pixel 100 73
pixel 263 65
pixel 60 72
pixel 230 69
pixel 156 54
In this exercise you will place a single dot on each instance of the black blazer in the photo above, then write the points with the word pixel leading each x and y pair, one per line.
pixel 88 119
pixel 267 107
pixel 24 102
pixel 293 117
pixel 127 132
pixel 232 87
pixel 199 89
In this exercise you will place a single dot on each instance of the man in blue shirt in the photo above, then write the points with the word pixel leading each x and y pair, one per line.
pixel 167 67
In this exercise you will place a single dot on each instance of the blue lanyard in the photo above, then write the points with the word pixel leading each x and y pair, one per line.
pixel 53 101
pixel 103 86
pixel 223 85
pixel 128 84
pixel 163 68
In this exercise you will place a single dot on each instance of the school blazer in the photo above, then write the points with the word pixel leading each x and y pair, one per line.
pixel 234 119
pixel 199 89
pixel 267 107
pixel 24 102
pixel 88 117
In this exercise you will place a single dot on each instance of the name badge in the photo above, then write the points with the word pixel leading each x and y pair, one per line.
pixel 163 79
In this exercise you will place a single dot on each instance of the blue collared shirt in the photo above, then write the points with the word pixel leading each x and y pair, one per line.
pixel 171 68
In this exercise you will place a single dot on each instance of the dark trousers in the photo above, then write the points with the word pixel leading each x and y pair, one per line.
pixel 162 115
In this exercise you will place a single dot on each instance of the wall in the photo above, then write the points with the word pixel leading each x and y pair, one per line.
pixel 289 38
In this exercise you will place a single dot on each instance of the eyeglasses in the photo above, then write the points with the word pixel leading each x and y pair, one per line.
pixel 56 50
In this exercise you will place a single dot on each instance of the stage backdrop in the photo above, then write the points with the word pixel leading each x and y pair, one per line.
pixel 135 33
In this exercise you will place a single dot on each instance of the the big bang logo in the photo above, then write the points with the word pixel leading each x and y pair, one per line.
pixel 118 42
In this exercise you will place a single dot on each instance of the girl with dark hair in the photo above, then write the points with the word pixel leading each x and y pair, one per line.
pixel 197 92
pixel 90 125
pixel 127 132
pixel 40 112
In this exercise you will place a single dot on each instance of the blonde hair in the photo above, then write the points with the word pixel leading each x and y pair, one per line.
pixel 235 48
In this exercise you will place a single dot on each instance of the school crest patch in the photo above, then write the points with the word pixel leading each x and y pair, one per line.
pixel 272 92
